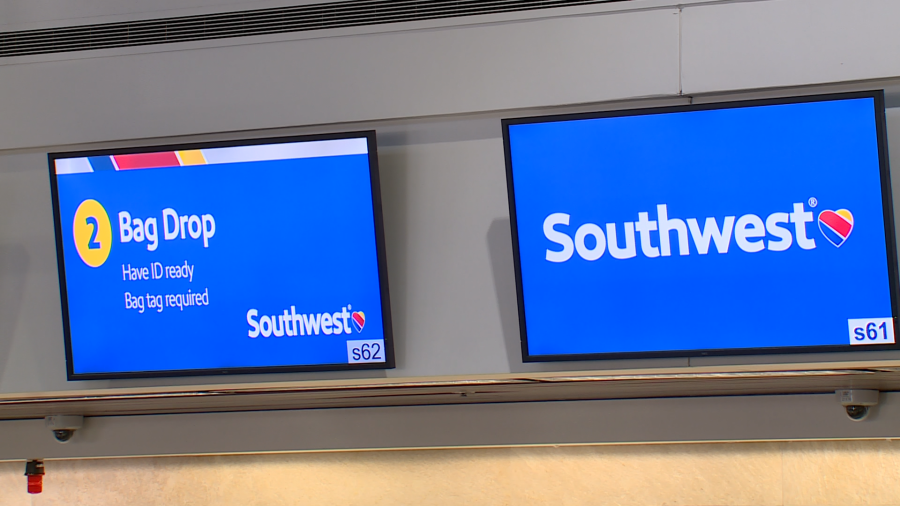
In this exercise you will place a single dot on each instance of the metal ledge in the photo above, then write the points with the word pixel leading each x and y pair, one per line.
pixel 543 387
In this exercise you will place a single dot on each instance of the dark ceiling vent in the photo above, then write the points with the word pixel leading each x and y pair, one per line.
pixel 257 22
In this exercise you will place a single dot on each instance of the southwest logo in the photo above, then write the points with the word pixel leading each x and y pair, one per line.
pixel 836 226
pixel 665 235
pixel 359 320
pixel 290 323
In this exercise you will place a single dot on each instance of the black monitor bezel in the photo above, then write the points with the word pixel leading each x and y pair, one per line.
pixel 887 205
pixel 375 181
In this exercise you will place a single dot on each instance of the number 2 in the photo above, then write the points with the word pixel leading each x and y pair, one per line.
pixel 95 227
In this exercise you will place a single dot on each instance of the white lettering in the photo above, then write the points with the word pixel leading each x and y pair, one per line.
pixel 665 226
pixel 150 232
pixel 750 233
pixel 170 233
pixel 209 228
pixel 265 326
pixel 298 329
pixel 138 232
pixel 580 246
pixel 644 227
pixel 312 322
pixel 278 329
pixel 558 238
pixel 174 226
pixel 326 324
pixel 800 219
pixel 749 226
pixel 721 238
pixel 193 221
pixel 613 244
pixel 786 239
pixel 254 333
pixel 125 234
pixel 288 323
pixel 337 325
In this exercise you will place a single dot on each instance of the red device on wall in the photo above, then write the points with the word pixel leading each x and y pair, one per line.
pixel 34 470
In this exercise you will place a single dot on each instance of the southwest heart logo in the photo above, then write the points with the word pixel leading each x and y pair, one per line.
pixel 359 320
pixel 836 225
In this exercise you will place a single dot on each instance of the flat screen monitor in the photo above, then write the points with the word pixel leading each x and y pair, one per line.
pixel 232 257
pixel 723 229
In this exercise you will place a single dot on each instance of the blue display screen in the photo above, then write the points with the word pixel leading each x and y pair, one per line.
pixel 688 231
pixel 222 259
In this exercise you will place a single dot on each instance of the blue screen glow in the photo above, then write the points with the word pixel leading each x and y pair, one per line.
pixel 226 258
pixel 740 228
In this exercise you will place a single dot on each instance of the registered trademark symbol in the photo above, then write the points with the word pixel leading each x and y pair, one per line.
pixel 813 202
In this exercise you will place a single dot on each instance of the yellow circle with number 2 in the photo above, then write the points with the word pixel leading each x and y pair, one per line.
pixel 92 233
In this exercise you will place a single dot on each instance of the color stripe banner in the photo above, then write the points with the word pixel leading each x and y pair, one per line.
pixel 168 159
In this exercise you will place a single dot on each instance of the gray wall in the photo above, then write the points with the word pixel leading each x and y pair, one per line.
pixel 435 92
pixel 757 418
pixel 37 14
pixel 436 95
pixel 444 187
